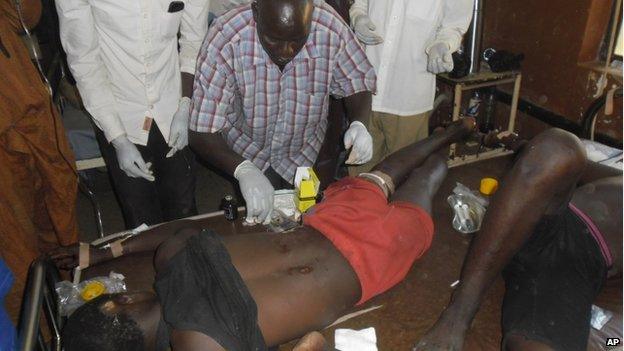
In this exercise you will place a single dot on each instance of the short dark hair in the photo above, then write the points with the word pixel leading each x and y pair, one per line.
pixel 90 329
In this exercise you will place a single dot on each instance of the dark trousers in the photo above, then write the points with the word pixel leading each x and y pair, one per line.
pixel 171 196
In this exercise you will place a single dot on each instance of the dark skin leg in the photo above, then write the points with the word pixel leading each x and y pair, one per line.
pixel 399 164
pixel 544 176
pixel 312 341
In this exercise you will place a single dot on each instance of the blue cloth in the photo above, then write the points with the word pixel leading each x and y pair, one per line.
pixel 8 338
pixel 79 131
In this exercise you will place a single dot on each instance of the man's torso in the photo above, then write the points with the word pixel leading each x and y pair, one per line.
pixel 279 116
pixel 139 47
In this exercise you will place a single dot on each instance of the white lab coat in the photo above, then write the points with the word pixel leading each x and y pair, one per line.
pixel 409 28
pixel 125 59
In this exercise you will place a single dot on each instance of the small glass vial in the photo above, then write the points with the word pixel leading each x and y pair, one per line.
pixel 228 205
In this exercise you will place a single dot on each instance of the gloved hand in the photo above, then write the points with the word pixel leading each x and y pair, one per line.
pixel 178 134
pixel 362 142
pixel 257 191
pixel 130 160
pixel 364 30
pixel 440 58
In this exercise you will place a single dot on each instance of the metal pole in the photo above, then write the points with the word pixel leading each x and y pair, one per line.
pixel 476 29
pixel 29 319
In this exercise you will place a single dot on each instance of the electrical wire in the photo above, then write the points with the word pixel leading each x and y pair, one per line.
pixel 33 47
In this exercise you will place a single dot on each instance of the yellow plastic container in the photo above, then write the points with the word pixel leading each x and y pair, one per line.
pixel 488 186
pixel 305 203
pixel 306 189
pixel 92 290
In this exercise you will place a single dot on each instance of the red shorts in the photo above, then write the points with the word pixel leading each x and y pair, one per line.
pixel 380 240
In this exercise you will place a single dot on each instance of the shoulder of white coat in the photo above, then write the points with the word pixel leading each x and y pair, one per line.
pixel 325 18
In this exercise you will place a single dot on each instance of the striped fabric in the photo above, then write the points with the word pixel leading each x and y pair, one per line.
pixel 270 117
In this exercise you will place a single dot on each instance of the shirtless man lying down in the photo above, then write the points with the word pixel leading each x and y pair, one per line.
pixel 247 292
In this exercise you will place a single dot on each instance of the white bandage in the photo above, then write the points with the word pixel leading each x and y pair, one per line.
pixel 382 180
pixel 116 248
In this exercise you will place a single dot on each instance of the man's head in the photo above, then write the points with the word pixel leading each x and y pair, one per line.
pixel 117 322
pixel 283 27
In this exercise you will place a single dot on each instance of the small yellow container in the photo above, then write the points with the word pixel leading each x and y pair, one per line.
pixel 306 188
pixel 92 290
pixel 488 186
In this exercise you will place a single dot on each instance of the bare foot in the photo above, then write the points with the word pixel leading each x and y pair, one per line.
pixel 445 335
pixel 460 129
pixel 438 130
pixel 312 341
pixel 469 123
pixel 496 138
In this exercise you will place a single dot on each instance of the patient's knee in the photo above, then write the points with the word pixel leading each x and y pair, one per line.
pixel 556 153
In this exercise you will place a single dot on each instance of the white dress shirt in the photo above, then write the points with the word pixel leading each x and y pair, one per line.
pixel 125 59
pixel 409 28
pixel 219 7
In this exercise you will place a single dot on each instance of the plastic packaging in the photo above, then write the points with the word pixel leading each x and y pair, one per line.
pixel 281 222
pixel 71 296
pixel 469 208
pixel 474 104
pixel 606 330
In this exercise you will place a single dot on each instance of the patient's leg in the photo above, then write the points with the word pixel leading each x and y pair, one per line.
pixel 540 182
pixel 400 164
pixel 424 181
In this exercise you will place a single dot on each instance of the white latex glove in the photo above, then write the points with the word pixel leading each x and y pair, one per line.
pixel 440 58
pixel 130 159
pixel 365 30
pixel 362 142
pixel 257 191
pixel 178 134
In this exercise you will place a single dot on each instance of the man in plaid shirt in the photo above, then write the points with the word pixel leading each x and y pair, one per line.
pixel 264 76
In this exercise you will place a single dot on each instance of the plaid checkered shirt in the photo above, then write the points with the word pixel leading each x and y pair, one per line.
pixel 270 117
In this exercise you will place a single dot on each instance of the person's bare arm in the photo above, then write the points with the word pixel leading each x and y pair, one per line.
pixel 187 84
pixel 66 257
pixel 595 171
pixel 592 172
pixel 358 107
pixel 212 148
